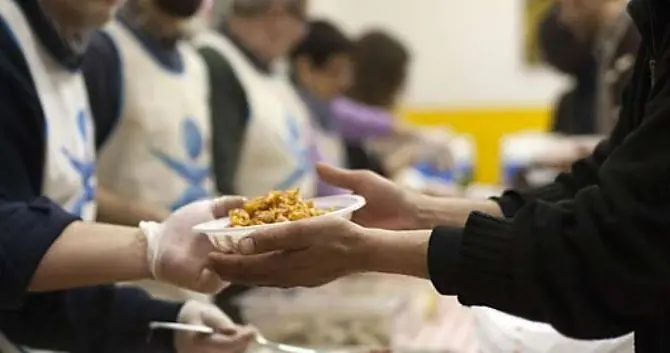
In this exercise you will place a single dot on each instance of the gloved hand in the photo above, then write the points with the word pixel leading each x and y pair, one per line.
pixel 177 255
pixel 229 338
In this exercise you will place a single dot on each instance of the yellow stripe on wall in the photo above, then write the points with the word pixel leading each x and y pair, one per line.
pixel 487 126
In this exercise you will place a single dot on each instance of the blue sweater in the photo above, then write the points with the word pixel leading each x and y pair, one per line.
pixel 95 319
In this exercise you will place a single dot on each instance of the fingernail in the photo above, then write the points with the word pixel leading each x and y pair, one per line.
pixel 246 246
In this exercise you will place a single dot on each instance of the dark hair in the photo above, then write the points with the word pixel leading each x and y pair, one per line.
pixel 253 8
pixel 323 41
pixel 379 69
pixel 561 49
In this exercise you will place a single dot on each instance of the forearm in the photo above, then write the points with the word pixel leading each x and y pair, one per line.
pixel 395 252
pixel 115 210
pixel 101 319
pixel 89 254
pixel 434 211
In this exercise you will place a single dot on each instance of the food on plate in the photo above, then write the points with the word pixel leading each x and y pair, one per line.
pixel 275 207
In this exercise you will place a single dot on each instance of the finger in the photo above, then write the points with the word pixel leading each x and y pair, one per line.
pixel 209 282
pixel 222 343
pixel 219 321
pixel 222 205
pixel 341 178
pixel 246 269
pixel 284 237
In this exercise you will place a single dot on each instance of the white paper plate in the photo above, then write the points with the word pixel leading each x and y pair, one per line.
pixel 226 238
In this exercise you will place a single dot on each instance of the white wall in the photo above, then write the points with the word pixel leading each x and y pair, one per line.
pixel 466 52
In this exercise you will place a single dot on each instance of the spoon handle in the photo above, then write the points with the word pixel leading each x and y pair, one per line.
pixel 175 326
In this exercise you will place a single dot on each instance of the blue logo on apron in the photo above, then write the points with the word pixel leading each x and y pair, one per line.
pixel 195 175
pixel 84 167
pixel 301 153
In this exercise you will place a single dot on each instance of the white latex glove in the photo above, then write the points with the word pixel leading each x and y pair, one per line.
pixel 229 338
pixel 178 256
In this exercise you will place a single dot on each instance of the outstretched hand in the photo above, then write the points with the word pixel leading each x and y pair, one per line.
pixel 388 206
pixel 302 254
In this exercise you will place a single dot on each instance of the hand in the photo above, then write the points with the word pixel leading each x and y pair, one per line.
pixel 306 253
pixel 228 337
pixel 388 206
pixel 178 256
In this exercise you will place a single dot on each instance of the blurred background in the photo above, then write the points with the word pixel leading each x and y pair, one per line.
pixel 454 98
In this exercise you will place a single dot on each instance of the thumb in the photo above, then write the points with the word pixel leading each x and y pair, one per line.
pixel 222 205
pixel 283 237
pixel 218 320
pixel 341 178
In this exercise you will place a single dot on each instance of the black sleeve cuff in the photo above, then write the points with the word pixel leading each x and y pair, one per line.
pixel 511 201
pixel 475 263
pixel 28 231
pixel 444 258
pixel 487 263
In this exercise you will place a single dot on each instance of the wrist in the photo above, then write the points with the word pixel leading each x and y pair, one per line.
pixel 431 211
pixel 395 252
pixel 149 233
pixel 141 251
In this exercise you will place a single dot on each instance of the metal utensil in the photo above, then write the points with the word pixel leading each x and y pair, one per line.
pixel 262 341
pixel 258 338
pixel 175 326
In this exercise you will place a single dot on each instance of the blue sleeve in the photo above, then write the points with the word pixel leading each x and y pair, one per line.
pixel 103 72
pixel 93 319
pixel 27 232
pixel 22 130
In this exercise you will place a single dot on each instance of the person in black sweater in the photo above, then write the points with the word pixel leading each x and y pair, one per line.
pixel 587 254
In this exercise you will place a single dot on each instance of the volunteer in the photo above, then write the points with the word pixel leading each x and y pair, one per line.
pixel 47 144
pixel 262 138
pixel 586 254
pixel 155 93
pixel 261 130
pixel 321 70
pixel 154 86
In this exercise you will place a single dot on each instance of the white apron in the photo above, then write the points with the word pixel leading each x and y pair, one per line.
pixel 69 171
pixel 276 153
pixel 160 152
pixel 69 164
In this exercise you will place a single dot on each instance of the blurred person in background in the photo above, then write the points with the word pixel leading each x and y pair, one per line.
pixel 574 112
pixel 321 69
pixel 150 87
pixel 379 72
pixel 375 138
pixel 616 40
pixel 595 42
pixel 47 138
pixel 262 136
pixel 563 50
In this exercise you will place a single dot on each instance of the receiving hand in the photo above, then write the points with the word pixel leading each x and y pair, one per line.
pixel 178 256
pixel 228 337
pixel 387 205
pixel 305 253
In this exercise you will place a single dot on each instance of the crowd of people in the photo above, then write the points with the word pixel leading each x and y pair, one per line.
pixel 122 123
